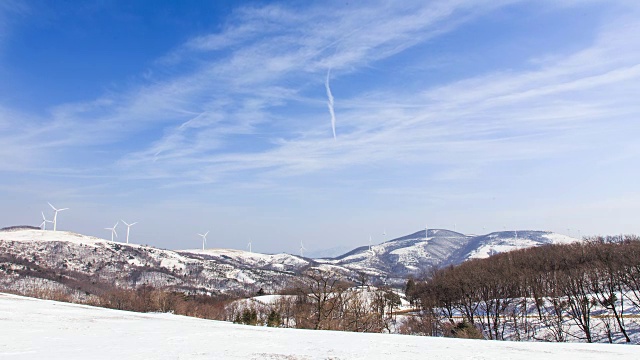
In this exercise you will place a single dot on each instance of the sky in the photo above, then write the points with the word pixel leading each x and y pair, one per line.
pixel 323 122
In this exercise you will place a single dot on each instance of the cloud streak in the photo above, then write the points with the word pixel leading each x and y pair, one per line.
pixel 330 104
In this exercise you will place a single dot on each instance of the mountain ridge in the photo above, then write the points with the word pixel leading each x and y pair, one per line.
pixel 67 254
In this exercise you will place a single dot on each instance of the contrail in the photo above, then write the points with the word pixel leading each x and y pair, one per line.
pixel 330 104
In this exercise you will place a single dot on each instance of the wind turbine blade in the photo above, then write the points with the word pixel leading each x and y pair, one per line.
pixel 124 222
pixel 114 226
pixel 63 209
pixel 133 223
pixel 52 206
pixel 207 233
pixel 43 218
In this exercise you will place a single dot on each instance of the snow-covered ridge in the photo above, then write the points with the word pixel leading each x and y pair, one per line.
pixel 76 256
pixel 227 269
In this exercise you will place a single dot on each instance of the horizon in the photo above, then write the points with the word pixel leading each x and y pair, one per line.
pixel 318 253
pixel 322 122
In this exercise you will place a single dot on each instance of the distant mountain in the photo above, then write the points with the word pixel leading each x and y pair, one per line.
pixel 416 253
pixel 53 259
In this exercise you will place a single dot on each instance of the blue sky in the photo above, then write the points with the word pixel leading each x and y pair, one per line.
pixel 196 116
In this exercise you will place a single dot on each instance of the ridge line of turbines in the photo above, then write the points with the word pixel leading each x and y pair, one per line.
pixel 203 236
pixel 43 226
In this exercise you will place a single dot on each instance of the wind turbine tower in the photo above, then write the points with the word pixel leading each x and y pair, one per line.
pixel 55 215
pixel 302 249
pixel 113 230
pixel 249 246
pixel 128 228
pixel 204 238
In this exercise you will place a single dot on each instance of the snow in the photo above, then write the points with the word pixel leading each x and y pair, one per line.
pixel 40 329
pixel 555 238
pixel 501 244
pixel 48 235
pixel 252 258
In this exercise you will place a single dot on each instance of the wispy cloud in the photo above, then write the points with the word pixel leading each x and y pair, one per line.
pixel 250 104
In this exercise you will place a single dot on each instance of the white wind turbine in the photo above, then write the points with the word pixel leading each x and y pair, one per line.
pixel 113 230
pixel 426 232
pixel 204 238
pixel 302 249
pixel 43 226
pixel 128 227
pixel 55 215
pixel 249 245
pixel 371 251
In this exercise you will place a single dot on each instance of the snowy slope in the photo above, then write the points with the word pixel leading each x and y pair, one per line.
pixel 39 329
pixel 395 259
pixel 40 258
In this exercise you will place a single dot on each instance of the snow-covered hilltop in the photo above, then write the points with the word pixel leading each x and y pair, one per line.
pixel 36 258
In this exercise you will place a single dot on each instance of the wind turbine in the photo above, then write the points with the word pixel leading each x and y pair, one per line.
pixel 113 230
pixel 55 215
pixel 128 227
pixel 44 222
pixel 426 232
pixel 371 251
pixel 302 249
pixel 204 238
pixel 249 245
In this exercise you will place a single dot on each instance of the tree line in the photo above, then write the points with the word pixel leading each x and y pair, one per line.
pixel 536 293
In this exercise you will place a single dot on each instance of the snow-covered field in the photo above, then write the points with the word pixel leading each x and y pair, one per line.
pixel 40 329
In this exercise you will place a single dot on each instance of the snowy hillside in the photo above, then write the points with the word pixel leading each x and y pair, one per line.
pixel 28 254
pixel 68 331
pixel 483 246
pixel 35 258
